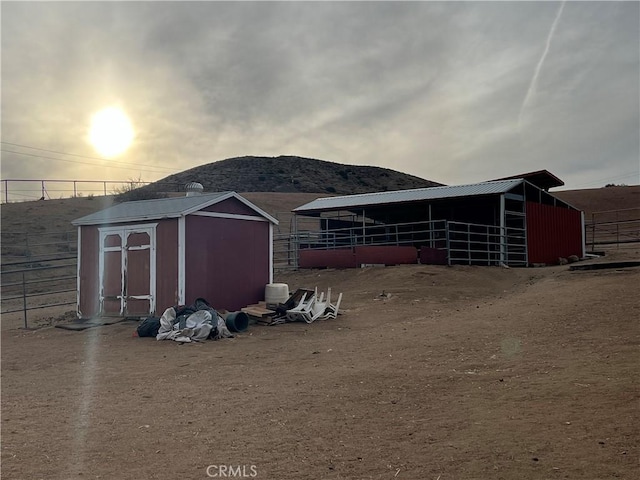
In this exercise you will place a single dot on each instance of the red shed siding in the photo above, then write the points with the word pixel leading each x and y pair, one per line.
pixel 89 282
pixel 166 265
pixel 226 261
pixel 552 232
pixel 231 205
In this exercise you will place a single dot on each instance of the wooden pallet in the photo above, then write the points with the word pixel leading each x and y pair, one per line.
pixel 260 313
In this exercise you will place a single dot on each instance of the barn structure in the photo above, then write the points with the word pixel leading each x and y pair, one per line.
pixel 514 222
pixel 138 258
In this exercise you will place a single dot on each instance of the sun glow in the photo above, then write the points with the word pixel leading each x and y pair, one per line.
pixel 111 132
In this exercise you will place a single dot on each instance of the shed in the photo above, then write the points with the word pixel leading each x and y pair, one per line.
pixel 138 258
pixel 511 222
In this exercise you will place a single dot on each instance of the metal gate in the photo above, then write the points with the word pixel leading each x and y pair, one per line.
pixel 127 270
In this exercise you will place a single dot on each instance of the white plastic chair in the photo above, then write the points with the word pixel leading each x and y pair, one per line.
pixel 302 310
pixel 333 309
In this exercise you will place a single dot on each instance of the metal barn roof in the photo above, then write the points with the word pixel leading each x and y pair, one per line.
pixel 162 208
pixel 543 179
pixel 400 196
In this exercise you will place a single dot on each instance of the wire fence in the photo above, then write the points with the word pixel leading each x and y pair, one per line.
pixel 39 270
pixel 40 282
pixel 22 190
pixel 613 228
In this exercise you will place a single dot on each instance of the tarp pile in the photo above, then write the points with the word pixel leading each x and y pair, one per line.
pixel 186 324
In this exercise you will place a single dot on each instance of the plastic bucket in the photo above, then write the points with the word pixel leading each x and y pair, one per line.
pixel 275 293
pixel 237 321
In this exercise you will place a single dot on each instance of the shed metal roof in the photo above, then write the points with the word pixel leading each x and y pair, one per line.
pixel 142 210
pixel 401 196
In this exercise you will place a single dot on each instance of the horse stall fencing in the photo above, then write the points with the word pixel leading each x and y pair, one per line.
pixel 613 228
pixel 39 271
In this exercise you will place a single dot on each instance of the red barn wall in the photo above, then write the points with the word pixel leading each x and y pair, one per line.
pixel 552 232
pixel 226 261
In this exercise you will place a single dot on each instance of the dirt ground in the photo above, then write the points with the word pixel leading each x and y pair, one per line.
pixel 430 373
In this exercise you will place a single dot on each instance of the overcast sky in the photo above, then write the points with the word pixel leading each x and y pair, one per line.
pixel 455 92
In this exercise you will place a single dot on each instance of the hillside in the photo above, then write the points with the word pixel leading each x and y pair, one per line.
pixel 288 174
pixel 592 200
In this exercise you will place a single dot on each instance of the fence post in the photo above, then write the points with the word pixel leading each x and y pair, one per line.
pixel 24 301
pixel 446 233
pixel 6 191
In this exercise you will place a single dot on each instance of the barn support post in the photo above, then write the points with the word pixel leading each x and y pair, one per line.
pixel 446 232
pixel 584 235
pixel 363 228
pixel 430 229
pixel 24 301
pixel 296 243
pixel 503 237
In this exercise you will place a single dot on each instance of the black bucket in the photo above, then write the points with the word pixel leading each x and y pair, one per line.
pixel 237 321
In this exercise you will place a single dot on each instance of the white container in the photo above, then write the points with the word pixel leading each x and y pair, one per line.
pixel 275 293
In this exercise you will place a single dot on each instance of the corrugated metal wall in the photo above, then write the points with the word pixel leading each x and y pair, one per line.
pixel 552 232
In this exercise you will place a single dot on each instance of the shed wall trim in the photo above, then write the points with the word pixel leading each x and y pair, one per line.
pixel 181 260
pixel 233 216
pixel 124 231
pixel 78 312
pixel 270 252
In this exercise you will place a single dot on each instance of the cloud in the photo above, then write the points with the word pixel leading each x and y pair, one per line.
pixel 434 89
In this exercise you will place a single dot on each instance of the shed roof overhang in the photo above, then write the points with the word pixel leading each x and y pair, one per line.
pixel 401 198
pixel 382 204
pixel 542 179
pixel 158 209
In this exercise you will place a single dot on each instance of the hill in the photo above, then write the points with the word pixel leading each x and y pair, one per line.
pixel 287 174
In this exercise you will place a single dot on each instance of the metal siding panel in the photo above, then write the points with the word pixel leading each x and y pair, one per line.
pixel 335 258
pixel 227 261
pixel 552 232
pixel 388 255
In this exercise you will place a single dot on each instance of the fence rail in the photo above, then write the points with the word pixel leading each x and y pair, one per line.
pixel 37 281
pixel 39 270
pixel 613 228
pixel 21 190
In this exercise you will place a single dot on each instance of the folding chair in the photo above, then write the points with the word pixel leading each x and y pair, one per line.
pixel 333 309
pixel 302 310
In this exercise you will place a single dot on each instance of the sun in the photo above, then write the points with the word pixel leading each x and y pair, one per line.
pixel 111 132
